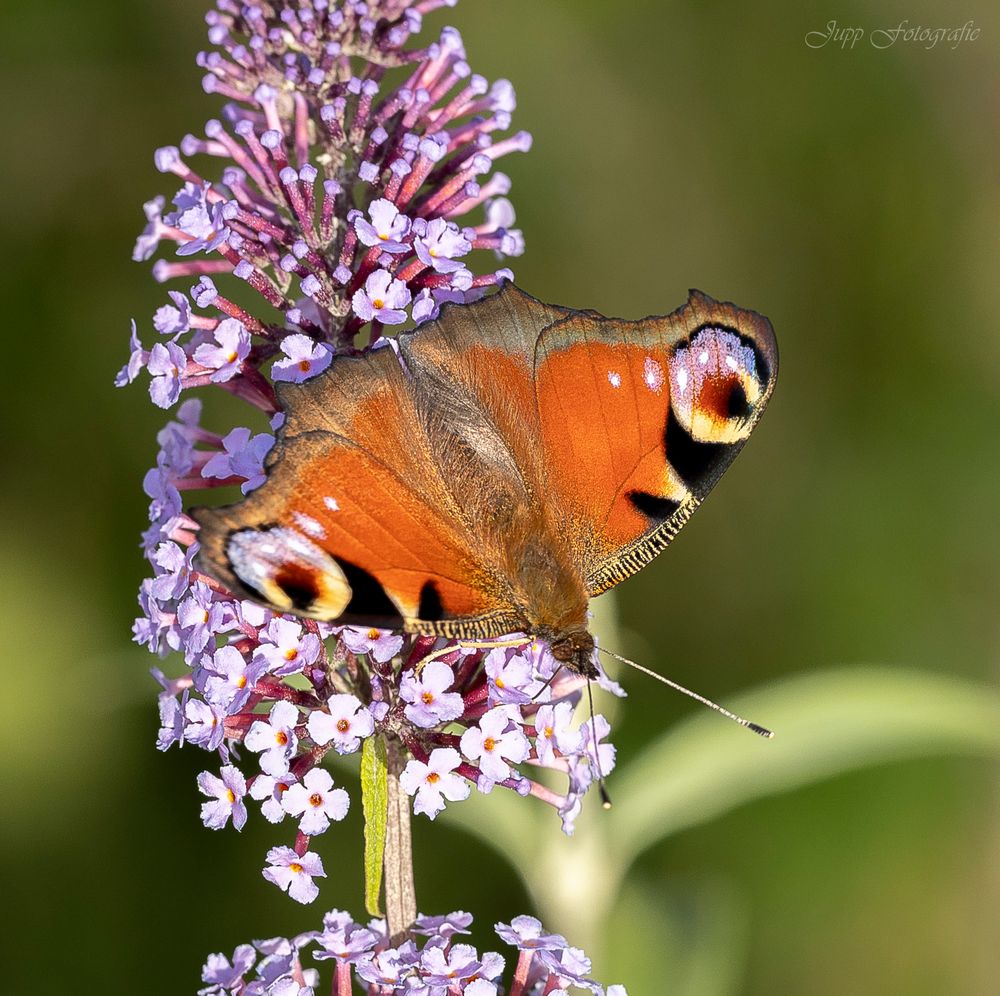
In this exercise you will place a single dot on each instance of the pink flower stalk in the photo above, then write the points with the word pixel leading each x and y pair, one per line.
pixel 341 196
pixel 357 179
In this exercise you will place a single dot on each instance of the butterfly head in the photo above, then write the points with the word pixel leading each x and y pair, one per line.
pixel 575 649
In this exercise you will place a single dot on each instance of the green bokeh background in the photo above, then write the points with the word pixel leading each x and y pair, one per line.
pixel 852 196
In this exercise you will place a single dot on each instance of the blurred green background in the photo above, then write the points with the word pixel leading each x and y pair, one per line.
pixel 852 196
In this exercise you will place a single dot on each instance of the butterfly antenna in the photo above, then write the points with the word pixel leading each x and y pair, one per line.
pixel 548 684
pixel 762 731
pixel 605 798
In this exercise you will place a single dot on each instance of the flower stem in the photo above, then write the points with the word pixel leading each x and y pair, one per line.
pixel 400 897
pixel 342 980
pixel 521 972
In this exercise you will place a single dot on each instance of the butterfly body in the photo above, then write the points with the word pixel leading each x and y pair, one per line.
pixel 507 463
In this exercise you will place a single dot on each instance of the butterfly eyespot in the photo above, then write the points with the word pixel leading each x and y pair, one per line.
pixel 716 384
pixel 300 586
pixel 723 398
pixel 285 568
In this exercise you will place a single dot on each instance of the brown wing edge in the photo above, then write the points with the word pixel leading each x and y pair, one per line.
pixel 470 320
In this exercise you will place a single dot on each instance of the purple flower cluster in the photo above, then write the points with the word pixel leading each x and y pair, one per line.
pixel 435 965
pixel 339 197
pixel 338 205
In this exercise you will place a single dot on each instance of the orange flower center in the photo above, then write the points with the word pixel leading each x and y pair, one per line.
pixel 295 867
pixel 290 655
pixel 241 681
pixel 427 697
pixel 433 778
pixel 315 799
pixel 489 744
pixel 377 303
pixel 281 738
pixel 230 796
pixel 373 634
pixel 343 725
pixel 304 366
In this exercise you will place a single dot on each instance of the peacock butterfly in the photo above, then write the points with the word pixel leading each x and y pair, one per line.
pixel 497 469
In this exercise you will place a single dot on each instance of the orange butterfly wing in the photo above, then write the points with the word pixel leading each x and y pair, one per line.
pixel 354 522
pixel 512 459
pixel 639 420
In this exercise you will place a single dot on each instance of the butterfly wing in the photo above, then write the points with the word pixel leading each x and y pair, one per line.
pixel 513 458
pixel 356 521
pixel 639 420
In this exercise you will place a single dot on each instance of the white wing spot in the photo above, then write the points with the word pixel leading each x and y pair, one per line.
pixel 682 380
pixel 703 357
pixel 652 374
pixel 299 545
pixel 331 504
pixel 309 525
pixel 614 378
pixel 731 363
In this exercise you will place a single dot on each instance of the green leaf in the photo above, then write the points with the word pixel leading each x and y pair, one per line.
pixel 826 723
pixel 375 804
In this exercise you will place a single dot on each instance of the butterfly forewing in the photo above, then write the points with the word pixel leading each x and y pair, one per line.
pixel 355 521
pixel 640 419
